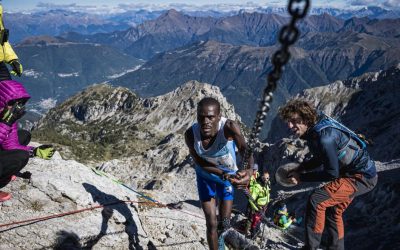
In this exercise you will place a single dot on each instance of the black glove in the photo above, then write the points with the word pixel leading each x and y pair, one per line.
pixel 16 68
pixel 9 116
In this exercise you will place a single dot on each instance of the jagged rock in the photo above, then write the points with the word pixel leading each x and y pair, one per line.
pixel 59 186
pixel 105 115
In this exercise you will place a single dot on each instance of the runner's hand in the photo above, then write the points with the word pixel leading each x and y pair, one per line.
pixel 241 179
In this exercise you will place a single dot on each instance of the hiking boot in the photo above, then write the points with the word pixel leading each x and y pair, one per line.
pixel 4 196
pixel 7 180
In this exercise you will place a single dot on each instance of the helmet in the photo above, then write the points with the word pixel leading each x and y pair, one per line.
pixel 282 208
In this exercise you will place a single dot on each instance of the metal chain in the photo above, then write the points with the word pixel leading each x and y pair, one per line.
pixel 287 37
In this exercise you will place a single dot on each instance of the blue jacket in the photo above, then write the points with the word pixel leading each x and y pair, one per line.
pixel 338 150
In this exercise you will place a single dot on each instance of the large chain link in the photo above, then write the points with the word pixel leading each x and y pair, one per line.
pixel 287 37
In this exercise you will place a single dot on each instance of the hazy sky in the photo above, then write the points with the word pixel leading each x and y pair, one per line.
pixel 17 5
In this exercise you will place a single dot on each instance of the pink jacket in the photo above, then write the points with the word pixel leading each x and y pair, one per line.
pixel 11 90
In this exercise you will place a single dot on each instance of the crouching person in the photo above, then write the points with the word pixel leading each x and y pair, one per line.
pixel 14 152
pixel 283 219
pixel 259 191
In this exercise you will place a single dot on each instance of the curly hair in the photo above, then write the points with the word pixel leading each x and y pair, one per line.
pixel 303 108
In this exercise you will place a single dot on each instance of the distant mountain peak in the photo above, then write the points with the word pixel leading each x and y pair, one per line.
pixel 172 13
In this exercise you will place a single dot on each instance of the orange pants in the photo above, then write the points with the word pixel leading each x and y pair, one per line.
pixel 326 206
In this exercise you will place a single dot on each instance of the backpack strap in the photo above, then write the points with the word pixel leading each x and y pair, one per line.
pixel 329 122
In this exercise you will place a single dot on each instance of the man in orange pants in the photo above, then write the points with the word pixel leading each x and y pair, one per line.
pixel 347 168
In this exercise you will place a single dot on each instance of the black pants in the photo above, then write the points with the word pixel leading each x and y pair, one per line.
pixel 12 161
pixel 4 73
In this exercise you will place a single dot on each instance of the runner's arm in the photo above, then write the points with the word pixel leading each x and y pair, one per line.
pixel 232 131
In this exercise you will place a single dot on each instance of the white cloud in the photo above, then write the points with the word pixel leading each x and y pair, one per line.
pixel 112 7
pixel 120 8
pixel 56 6
pixel 93 9
pixel 390 4
pixel 363 2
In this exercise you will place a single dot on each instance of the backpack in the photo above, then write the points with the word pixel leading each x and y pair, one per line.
pixel 349 152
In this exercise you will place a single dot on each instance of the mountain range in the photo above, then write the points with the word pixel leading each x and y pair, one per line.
pixel 231 52
pixel 56 68
pixel 54 22
pixel 240 71
pixel 174 29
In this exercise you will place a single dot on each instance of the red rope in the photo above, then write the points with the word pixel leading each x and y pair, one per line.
pixel 88 209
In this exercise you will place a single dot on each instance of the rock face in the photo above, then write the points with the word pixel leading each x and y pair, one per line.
pixel 58 186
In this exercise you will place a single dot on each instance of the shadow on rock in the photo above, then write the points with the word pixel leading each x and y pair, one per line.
pixel 195 203
pixel 67 241
pixel 107 212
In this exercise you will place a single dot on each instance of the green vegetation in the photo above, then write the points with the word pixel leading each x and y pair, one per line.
pixel 95 142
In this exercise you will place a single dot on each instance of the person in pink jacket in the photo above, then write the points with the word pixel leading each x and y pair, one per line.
pixel 14 152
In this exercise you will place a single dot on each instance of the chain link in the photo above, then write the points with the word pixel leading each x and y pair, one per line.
pixel 287 37
pixel 299 12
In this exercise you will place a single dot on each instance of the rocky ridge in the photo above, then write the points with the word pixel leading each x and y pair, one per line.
pixel 141 137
